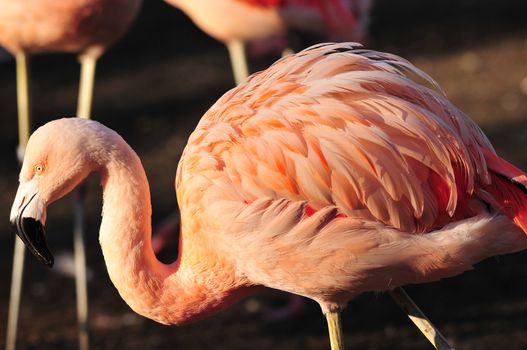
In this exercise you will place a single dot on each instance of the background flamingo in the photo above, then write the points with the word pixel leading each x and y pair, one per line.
pixel 327 175
pixel 86 27
pixel 236 22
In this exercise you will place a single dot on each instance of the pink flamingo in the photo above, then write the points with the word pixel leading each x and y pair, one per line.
pixel 86 27
pixel 235 22
pixel 329 174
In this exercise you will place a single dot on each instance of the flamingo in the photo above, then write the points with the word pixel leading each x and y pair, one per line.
pixel 330 174
pixel 235 22
pixel 86 27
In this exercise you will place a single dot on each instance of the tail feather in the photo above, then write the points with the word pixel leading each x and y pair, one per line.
pixel 508 189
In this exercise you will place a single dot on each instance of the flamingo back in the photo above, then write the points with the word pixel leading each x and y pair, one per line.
pixel 341 126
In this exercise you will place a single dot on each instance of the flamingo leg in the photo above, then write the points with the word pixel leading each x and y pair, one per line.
pixel 84 104
pixel 23 102
pixel 80 268
pixel 238 60
pixel 14 300
pixel 419 319
pixel 335 330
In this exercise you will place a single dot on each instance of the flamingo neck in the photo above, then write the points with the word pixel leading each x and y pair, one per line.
pixel 192 287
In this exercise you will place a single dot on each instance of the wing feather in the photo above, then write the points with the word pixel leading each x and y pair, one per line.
pixel 338 126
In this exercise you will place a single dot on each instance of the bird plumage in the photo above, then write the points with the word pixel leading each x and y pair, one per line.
pixel 34 26
pixel 345 129
pixel 329 174
pixel 249 20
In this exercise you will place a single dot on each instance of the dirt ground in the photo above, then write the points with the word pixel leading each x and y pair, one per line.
pixel 154 86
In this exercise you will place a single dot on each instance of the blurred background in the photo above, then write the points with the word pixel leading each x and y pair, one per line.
pixel 154 86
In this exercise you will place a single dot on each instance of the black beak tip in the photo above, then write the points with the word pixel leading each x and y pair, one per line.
pixel 33 234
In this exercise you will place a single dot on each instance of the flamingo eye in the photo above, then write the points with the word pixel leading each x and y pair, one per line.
pixel 39 169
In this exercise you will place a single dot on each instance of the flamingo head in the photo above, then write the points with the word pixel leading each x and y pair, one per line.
pixel 57 158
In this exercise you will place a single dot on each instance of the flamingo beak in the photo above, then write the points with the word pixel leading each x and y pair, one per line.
pixel 28 216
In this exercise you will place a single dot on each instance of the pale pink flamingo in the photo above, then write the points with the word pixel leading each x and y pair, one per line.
pixel 86 27
pixel 330 174
pixel 236 22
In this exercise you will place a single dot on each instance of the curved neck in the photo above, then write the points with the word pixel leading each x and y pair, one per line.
pixel 192 287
